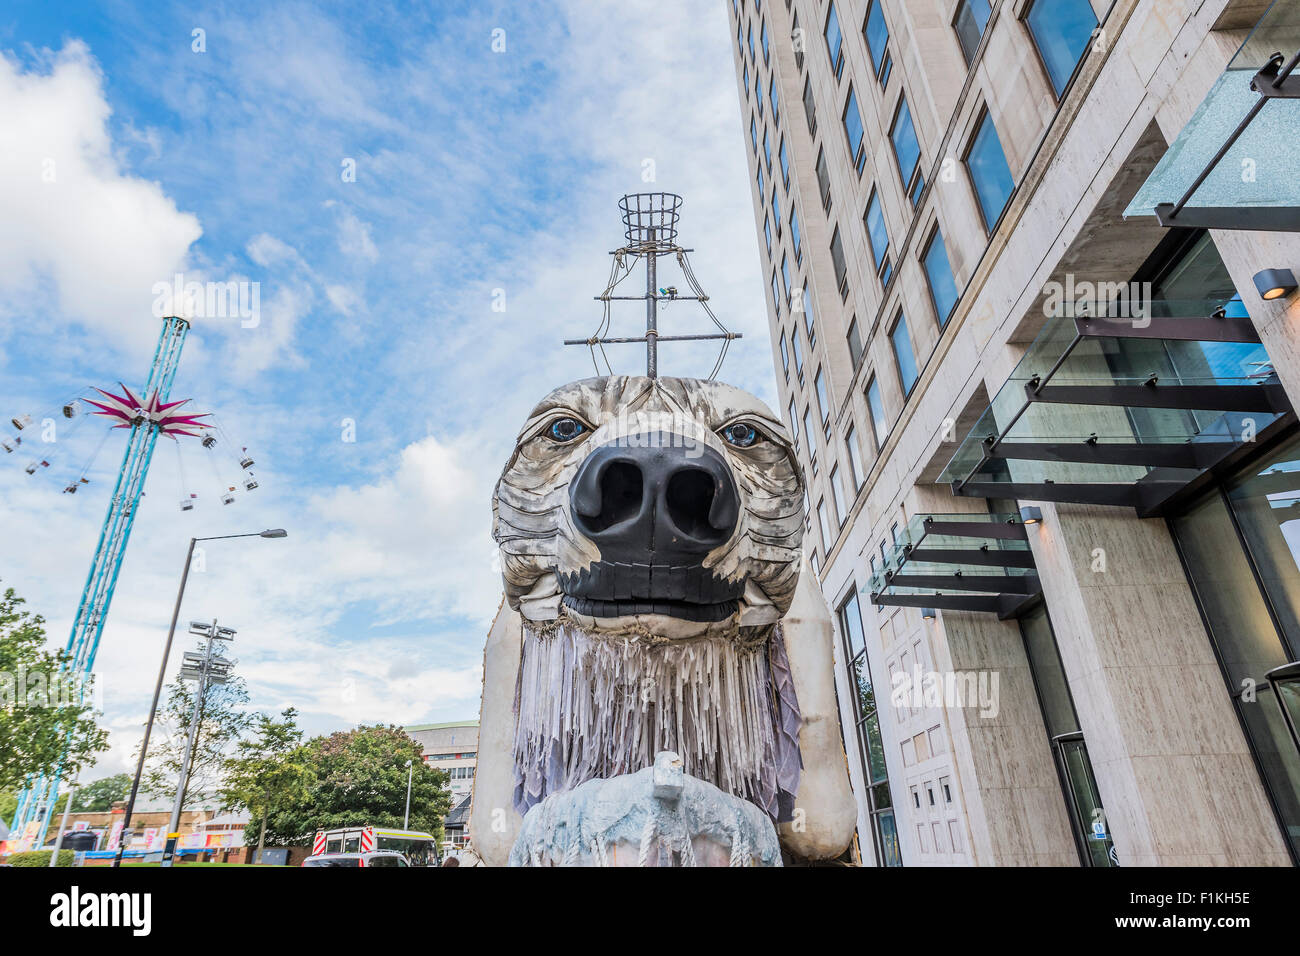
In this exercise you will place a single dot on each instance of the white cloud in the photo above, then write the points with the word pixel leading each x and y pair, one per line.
pixel 70 216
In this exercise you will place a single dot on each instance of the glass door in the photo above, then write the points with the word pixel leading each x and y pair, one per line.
pixel 1085 801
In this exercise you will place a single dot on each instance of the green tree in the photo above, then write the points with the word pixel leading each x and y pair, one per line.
pixel 223 721
pixel 98 796
pixel 43 722
pixel 268 773
pixel 358 777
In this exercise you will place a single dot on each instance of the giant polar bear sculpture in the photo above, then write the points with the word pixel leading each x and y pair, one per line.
pixel 650 535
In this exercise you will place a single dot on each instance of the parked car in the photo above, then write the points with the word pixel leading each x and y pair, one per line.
pixel 373 858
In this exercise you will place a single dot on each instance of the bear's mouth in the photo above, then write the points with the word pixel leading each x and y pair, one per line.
pixel 689 592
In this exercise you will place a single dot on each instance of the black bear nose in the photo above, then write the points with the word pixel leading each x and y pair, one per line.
pixel 659 493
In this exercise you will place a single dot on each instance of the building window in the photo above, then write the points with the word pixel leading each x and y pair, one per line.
pixel 1061 30
pixel 834 42
pixel 776 102
pixel 828 537
pixel 753 134
pixel 877 237
pixel 870 744
pixel 812 438
pixel 853 131
pixel 838 261
pixel 785 164
pixel 758 178
pixel 876 32
pixel 907 151
pixel 855 458
pixel 837 497
pixel 767 150
pixel 776 209
pixel 798 355
pixel 746 81
pixel 785 277
pixel 762 39
pixel 902 343
pixel 1243 561
pixel 750 39
pixel 794 424
pixel 796 41
pixel 795 239
pixel 776 295
pixel 989 173
pixel 767 233
pixel 823 401
pixel 809 107
pixel 879 427
pixel 854 338
pixel 758 95
pixel 938 272
pixel 969 23
pixel 824 180
pixel 785 356
pixel 809 320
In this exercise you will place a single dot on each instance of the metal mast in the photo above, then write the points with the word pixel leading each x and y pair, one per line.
pixel 650 226
pixel 36 802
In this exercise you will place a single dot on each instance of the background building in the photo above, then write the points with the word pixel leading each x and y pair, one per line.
pixel 452 747
pixel 934 182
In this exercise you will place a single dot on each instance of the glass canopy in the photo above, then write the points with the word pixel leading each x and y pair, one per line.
pixel 960 562
pixel 1235 165
pixel 1132 411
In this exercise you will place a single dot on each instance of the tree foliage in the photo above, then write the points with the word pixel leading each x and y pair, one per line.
pixel 223 721
pixel 358 778
pixel 43 722
pixel 98 796
pixel 269 773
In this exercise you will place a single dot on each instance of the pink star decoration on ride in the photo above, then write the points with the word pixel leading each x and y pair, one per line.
pixel 165 415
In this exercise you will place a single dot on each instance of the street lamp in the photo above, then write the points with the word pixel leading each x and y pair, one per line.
pixel 162 673
pixel 406 821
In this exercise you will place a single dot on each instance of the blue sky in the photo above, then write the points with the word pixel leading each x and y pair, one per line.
pixel 481 174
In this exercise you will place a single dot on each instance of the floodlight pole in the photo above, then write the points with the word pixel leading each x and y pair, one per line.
pixel 651 312
pixel 162 675
pixel 175 822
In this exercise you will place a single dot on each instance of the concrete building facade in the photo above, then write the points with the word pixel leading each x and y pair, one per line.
pixel 926 176
pixel 452 747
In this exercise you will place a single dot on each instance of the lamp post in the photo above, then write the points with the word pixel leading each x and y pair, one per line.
pixel 162 673
pixel 406 821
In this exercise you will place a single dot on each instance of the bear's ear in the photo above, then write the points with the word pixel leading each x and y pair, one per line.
pixel 494 776
pixel 825 812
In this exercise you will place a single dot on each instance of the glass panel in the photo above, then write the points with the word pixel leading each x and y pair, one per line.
pixel 877 34
pixel 902 342
pixel 1267 505
pixel 943 288
pixel 834 46
pixel 879 424
pixel 853 131
pixel 906 148
pixel 891 854
pixel 1049 675
pixel 1061 29
pixel 1090 817
pixel 1239 623
pixel 877 234
pixel 1275 750
pixel 972 17
pixel 876 771
pixel 1261 148
pixel 866 701
pixel 989 172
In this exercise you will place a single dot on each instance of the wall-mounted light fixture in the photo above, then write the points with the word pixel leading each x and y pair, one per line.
pixel 1031 514
pixel 1275 283
pixel 928 613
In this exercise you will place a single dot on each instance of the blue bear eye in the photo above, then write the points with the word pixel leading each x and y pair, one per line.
pixel 740 434
pixel 565 429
